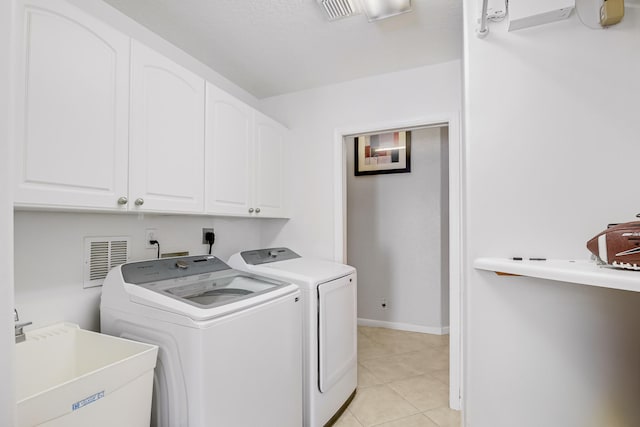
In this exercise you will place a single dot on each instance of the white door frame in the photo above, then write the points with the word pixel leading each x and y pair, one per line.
pixel 7 97
pixel 452 121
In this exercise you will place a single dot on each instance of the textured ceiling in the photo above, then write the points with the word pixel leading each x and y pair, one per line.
pixel 271 47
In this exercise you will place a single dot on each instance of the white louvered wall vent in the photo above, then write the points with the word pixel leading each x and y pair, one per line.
pixel 101 255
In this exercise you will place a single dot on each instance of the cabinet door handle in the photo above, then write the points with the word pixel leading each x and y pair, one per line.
pixel 257 210
pixel 123 200
pixel 139 201
pixel 250 210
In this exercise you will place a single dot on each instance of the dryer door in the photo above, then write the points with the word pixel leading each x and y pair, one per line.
pixel 337 330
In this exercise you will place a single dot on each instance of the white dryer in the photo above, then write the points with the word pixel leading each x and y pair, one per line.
pixel 329 325
pixel 229 342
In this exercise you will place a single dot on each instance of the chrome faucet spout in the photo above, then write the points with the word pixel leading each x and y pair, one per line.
pixel 20 336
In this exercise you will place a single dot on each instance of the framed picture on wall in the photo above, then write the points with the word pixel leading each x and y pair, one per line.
pixel 388 152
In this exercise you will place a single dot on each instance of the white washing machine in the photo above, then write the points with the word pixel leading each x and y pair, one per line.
pixel 329 325
pixel 229 342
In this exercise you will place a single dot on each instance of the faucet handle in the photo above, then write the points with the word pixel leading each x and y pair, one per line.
pixel 15 315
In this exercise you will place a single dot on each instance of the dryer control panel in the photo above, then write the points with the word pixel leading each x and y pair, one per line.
pixel 264 256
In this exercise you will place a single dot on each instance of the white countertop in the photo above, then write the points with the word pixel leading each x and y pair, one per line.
pixel 573 271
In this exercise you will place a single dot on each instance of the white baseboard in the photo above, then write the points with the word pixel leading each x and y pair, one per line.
pixel 404 326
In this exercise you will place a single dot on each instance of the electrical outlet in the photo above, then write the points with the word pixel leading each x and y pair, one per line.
pixel 384 304
pixel 150 234
pixel 204 232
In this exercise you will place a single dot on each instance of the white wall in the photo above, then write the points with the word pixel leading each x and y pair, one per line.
pixel 394 238
pixel 7 392
pixel 551 123
pixel 314 115
pixel 49 255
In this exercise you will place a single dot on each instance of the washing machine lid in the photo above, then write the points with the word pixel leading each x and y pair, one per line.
pixel 214 290
pixel 202 281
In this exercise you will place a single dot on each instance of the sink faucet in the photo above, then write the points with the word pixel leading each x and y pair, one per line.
pixel 20 336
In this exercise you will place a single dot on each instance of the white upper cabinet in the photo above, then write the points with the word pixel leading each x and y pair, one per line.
pixel 106 123
pixel 245 166
pixel 72 108
pixel 229 134
pixel 269 166
pixel 166 170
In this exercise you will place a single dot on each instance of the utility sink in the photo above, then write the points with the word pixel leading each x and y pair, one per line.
pixel 66 376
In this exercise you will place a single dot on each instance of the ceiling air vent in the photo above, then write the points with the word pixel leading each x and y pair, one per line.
pixel 336 9
pixel 101 255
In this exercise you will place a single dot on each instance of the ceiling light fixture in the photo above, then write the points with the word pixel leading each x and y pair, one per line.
pixel 379 150
pixel 374 9
pixel 382 9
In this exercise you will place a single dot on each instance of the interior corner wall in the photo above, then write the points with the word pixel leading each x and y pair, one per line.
pixel 551 144
pixel 7 344
pixel 313 117
pixel 394 238
pixel 50 256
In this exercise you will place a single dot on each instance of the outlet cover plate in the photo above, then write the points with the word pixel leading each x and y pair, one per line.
pixel 204 232
pixel 150 234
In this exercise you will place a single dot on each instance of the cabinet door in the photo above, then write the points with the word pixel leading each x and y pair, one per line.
pixel 72 108
pixel 166 170
pixel 229 134
pixel 269 169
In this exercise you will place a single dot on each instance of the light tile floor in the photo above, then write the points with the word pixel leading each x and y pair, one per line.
pixel 403 381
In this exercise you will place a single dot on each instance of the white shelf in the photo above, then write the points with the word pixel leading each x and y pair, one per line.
pixel 580 271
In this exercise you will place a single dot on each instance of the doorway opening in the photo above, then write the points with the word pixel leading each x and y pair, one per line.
pixel 444 130
pixel 398 234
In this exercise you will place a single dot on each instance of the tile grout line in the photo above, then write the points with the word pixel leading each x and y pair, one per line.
pixel 411 346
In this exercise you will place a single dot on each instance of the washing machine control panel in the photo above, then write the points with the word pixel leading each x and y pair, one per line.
pixel 264 256
pixel 171 268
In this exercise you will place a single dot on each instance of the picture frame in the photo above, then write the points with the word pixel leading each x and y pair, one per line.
pixel 382 153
